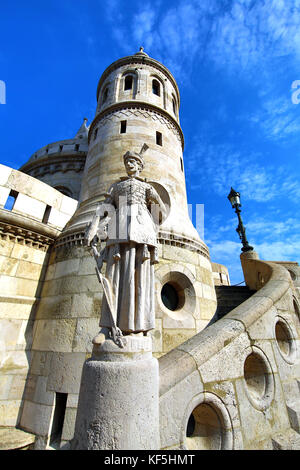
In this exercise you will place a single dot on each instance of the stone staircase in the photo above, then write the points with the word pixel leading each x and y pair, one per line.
pixel 229 297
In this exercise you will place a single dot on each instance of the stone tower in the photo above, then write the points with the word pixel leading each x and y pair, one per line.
pixel 137 102
pixel 60 164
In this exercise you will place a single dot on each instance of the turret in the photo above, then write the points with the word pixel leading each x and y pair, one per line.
pixel 137 103
pixel 60 164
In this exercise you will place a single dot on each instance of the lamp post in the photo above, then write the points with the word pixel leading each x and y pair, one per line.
pixel 234 198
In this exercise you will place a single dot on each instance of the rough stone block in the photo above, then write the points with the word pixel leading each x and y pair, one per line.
pixel 65 372
pixel 173 405
pixel 173 338
pixel 54 335
pixel 28 205
pixel 5 172
pixel 86 330
pixel 36 418
pixel 9 412
pixel 69 424
pixel 8 266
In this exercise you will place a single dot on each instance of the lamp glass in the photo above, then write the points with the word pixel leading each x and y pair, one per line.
pixel 235 200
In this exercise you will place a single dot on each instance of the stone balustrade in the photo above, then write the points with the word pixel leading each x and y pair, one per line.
pixel 235 385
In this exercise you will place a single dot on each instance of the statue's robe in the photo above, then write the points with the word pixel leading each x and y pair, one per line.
pixel 130 255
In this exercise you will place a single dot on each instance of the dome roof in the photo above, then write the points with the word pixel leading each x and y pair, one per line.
pixel 141 52
pixel 78 143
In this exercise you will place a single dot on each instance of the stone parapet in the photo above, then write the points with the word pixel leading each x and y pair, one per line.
pixel 237 374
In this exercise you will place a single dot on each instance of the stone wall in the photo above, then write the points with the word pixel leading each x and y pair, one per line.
pixel 67 319
pixel 235 385
pixel 220 275
pixel 27 231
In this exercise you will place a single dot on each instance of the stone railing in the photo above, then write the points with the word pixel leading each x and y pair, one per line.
pixel 29 204
pixel 32 215
pixel 235 385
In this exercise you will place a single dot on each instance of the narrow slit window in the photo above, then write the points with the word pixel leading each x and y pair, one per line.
pixel 158 138
pixel 60 148
pixel 105 95
pixel 10 201
pixel 181 164
pixel 76 147
pixel 174 106
pixel 123 127
pixel 46 214
pixel 128 82
pixel 95 134
pixel 58 417
pixel 155 87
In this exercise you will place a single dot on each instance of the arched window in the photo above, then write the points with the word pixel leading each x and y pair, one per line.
pixel 105 95
pixel 155 87
pixel 128 82
pixel 174 105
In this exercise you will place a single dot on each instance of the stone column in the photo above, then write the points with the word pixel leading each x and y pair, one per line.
pixel 118 400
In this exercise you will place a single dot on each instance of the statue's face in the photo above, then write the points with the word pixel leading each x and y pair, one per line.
pixel 132 166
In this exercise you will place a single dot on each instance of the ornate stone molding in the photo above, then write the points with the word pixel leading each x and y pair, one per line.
pixel 140 60
pixel 164 238
pixel 53 163
pixel 26 231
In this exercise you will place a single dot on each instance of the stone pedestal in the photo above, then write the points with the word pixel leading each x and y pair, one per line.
pixel 118 400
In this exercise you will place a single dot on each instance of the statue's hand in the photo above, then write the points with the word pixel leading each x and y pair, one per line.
pixel 90 232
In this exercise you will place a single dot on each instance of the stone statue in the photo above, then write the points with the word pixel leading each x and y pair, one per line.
pixel 126 221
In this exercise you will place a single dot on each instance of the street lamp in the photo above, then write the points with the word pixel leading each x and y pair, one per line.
pixel 234 198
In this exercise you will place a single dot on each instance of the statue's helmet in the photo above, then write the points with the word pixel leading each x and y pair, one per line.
pixel 136 156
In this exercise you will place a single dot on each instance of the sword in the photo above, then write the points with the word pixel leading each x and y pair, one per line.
pixel 116 333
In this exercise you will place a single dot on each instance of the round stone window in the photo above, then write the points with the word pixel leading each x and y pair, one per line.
pixel 259 381
pixel 207 424
pixel 285 341
pixel 204 429
pixel 170 296
pixel 176 296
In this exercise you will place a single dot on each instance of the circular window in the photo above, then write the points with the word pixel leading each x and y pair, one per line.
pixel 176 296
pixel 258 380
pixel 285 341
pixel 207 424
pixel 204 429
pixel 170 297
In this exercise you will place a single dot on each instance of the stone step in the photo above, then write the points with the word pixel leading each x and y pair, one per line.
pixel 230 297
pixel 15 439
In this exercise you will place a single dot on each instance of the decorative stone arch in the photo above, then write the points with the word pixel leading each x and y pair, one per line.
pixel 162 95
pixel 105 94
pixel 120 88
pixel 207 424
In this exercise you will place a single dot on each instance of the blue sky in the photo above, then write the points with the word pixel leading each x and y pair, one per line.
pixel 235 62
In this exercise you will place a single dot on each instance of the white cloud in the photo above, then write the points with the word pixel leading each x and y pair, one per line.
pixel 233 33
pixel 225 166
